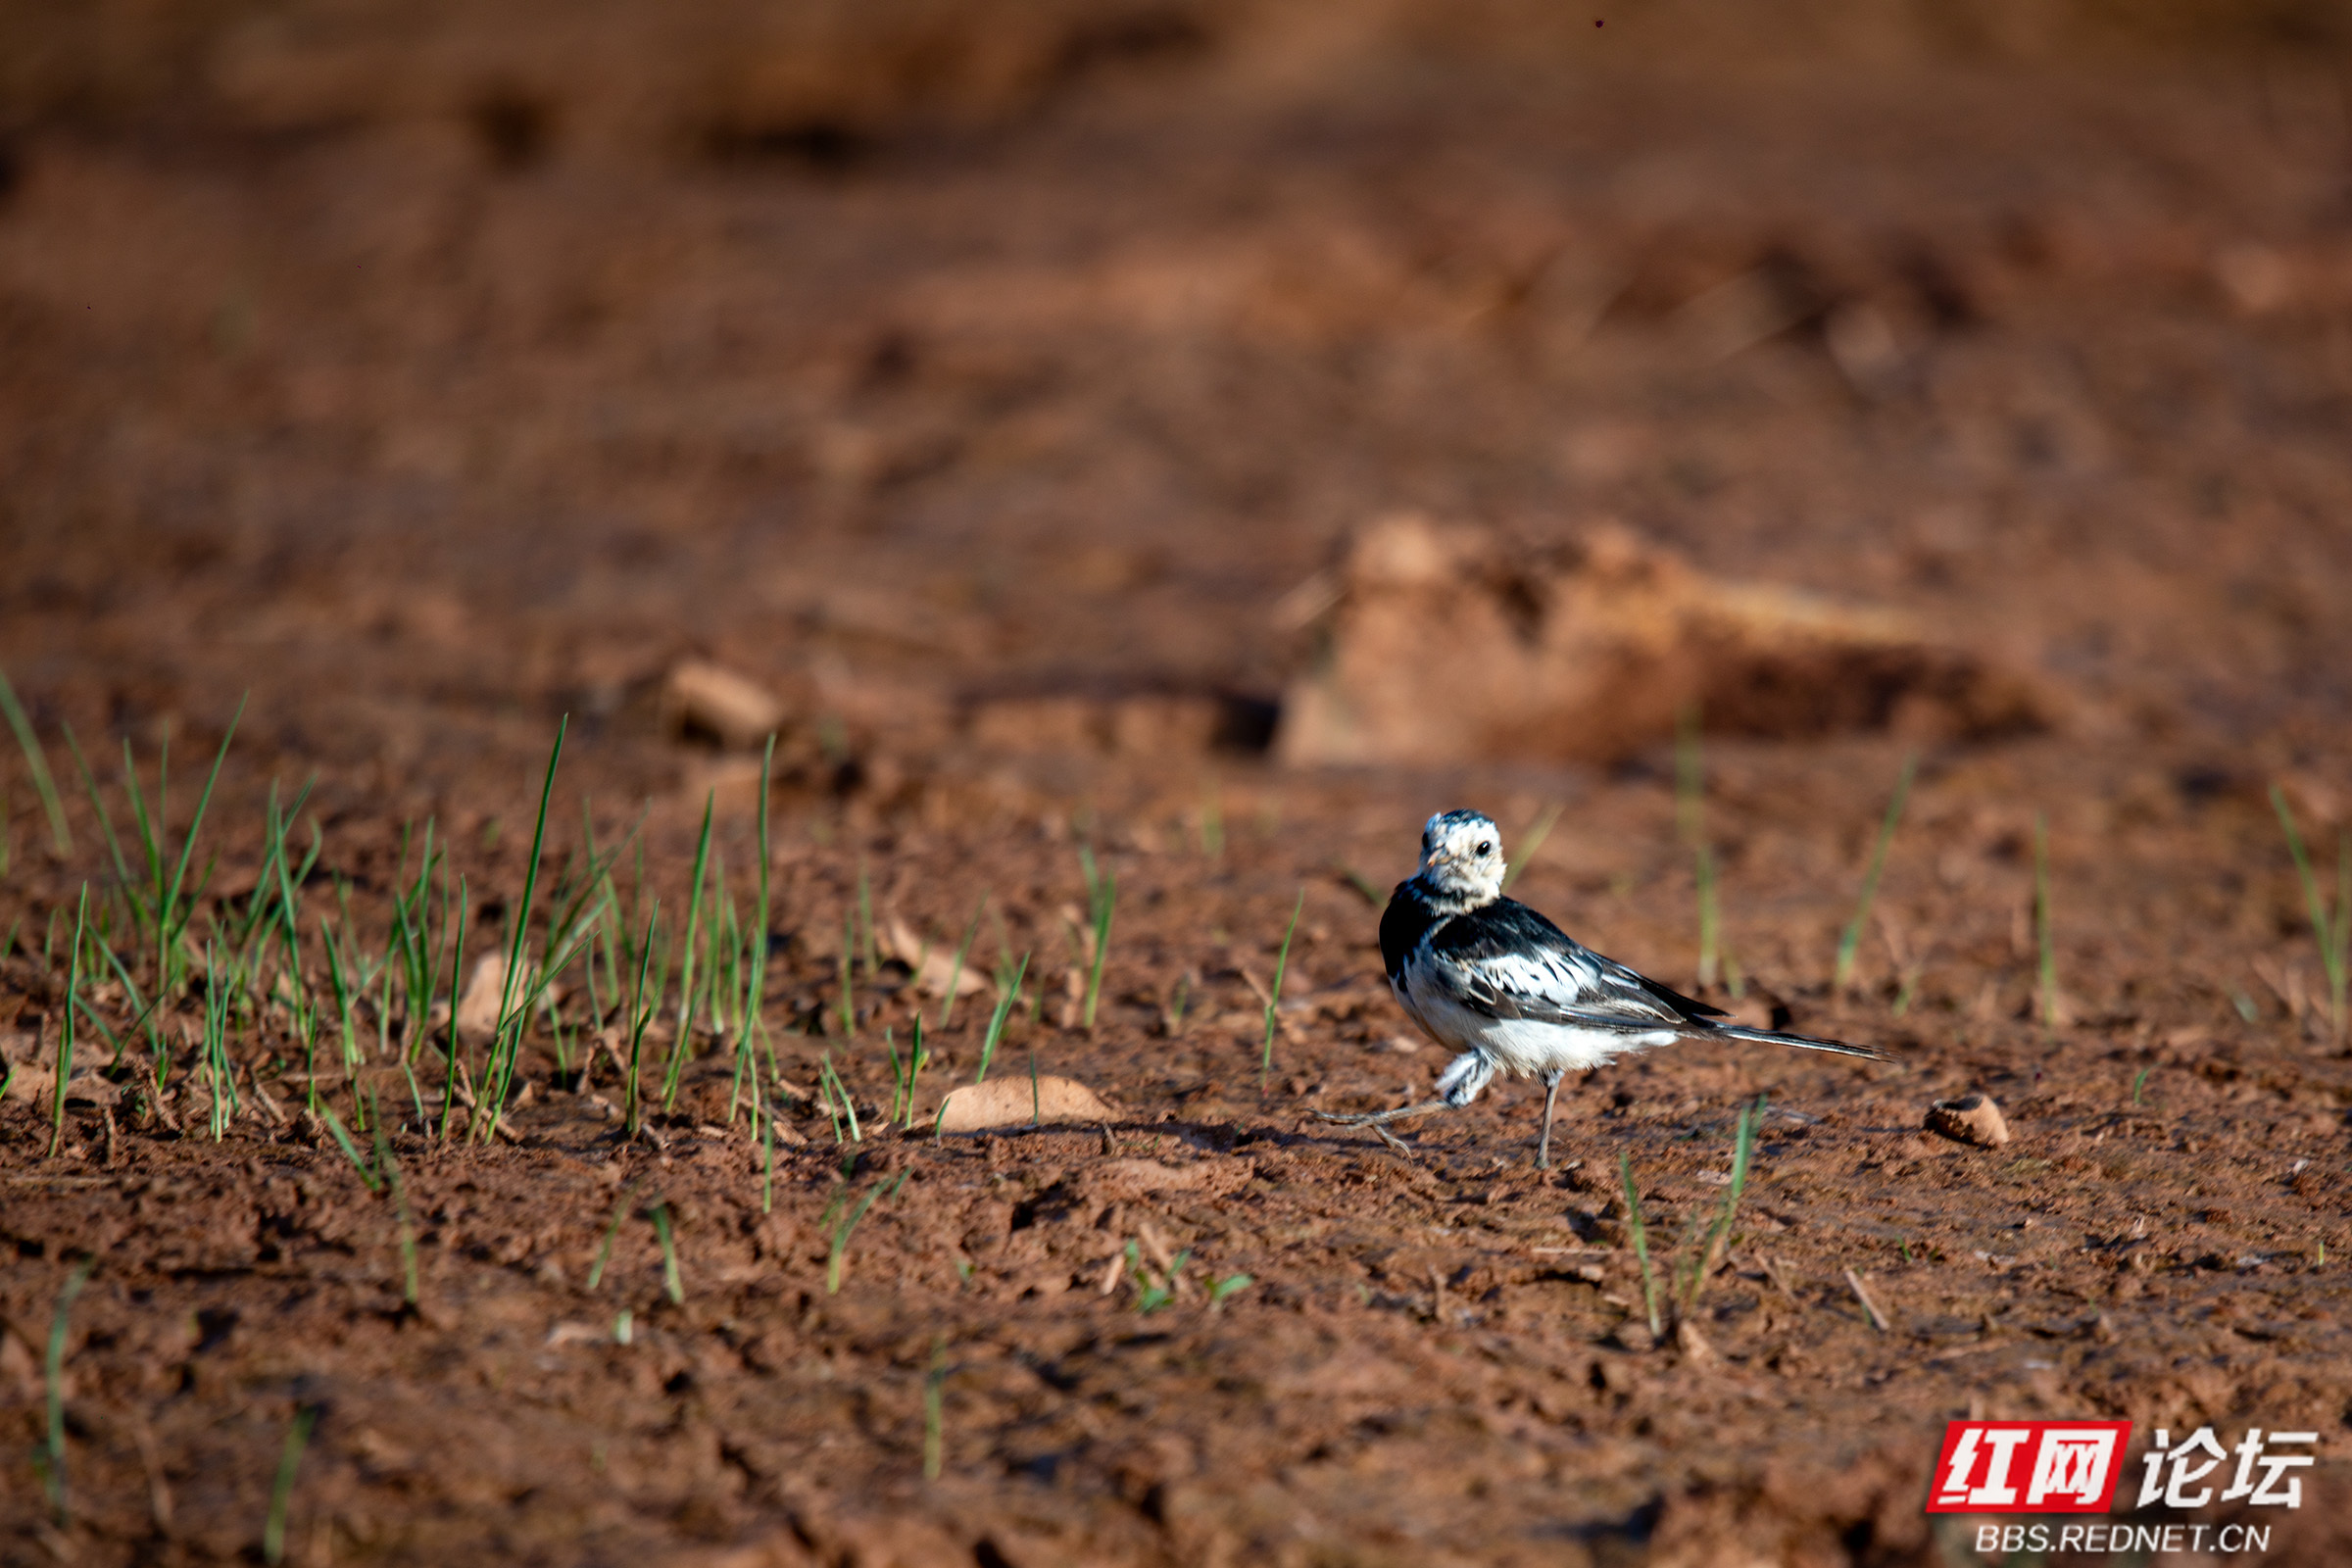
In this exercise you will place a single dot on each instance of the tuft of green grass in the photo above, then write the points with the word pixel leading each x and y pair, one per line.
pixel 1230 1285
pixel 1362 886
pixel 281 1490
pixel 918 1056
pixel 904 1073
pixel 159 898
pixel 411 945
pixel 604 1253
pixel 52 1454
pixel 1103 899
pixel 2330 929
pixel 752 1026
pixel 2044 940
pixel 390 1167
pixel 1640 1235
pixel 866 953
pixel 1719 1234
pixel 457 983
pixel 1008 995
pixel 1152 1294
pixel 934 1384
pixel 849 977
pixel 643 1004
pixel 1282 962
pixel 1852 941
pixel 351 1150
pixel 515 998
pixel 671 1283
pixel 837 1253
pixel 38 765
pixel 946 1006
pixel 2140 1083
pixel 64 1033
pixel 681 1047
pixel 1171 1012
pixel 835 1093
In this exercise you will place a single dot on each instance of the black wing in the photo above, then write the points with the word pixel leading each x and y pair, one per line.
pixel 1508 961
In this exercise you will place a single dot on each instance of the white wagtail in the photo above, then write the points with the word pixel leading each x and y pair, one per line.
pixel 1490 977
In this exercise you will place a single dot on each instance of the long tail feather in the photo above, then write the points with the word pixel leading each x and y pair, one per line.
pixel 1770 1037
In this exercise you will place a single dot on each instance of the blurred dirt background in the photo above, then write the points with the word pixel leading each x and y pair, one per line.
pixel 1210 433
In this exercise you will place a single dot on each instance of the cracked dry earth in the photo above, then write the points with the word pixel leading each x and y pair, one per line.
pixel 1441 1356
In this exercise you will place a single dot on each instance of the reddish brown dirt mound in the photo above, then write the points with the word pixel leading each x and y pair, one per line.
pixel 1433 645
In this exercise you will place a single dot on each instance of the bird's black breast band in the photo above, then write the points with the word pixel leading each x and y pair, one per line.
pixel 1403 924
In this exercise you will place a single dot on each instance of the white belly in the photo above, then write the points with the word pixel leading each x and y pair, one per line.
pixel 1521 1045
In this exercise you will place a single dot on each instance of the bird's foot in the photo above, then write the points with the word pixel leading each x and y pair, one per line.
pixel 1374 1119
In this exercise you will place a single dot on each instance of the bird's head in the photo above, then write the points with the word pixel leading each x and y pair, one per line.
pixel 1461 855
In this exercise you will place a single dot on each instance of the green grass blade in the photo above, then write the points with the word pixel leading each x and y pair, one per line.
pixel 1537 833
pixel 641 1014
pixel 1006 1000
pixel 934 1386
pixel 947 1007
pixel 1718 1235
pixel 2330 930
pixel 38 765
pixel 1106 903
pixel 684 1044
pixel 1851 942
pixel 281 1490
pixel 2045 940
pixel 838 1252
pixel 1640 1236
pixel 351 1150
pixel 755 999
pixel 499 1074
pixel 54 1376
pixel 385 1163
pixel 174 913
pixel 604 1253
pixel 671 1283
pixel 65 1034
pixel 1265 1066
pixel 106 820
pixel 457 981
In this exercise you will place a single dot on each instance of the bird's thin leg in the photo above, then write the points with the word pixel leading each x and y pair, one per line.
pixel 1551 1093
pixel 1375 1118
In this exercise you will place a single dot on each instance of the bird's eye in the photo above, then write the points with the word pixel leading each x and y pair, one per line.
pixel 1486 846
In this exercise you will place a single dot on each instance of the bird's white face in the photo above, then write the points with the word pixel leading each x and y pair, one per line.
pixel 1462 855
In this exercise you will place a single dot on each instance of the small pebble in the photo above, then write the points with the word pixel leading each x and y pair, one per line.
pixel 1972 1118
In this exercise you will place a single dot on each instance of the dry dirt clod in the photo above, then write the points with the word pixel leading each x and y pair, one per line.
pixel 935 968
pixel 478 1007
pixel 707 699
pixel 1972 1118
pixel 1633 1335
pixel 1017 1102
pixel 1152 1176
pixel 1589 650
